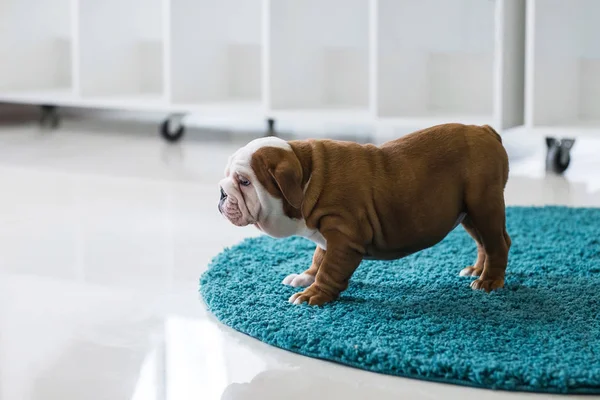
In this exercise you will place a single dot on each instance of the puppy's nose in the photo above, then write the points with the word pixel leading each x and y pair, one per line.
pixel 223 194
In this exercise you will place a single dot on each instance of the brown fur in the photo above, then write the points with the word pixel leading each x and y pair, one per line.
pixel 390 201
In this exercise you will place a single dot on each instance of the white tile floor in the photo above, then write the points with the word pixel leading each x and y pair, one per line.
pixel 102 239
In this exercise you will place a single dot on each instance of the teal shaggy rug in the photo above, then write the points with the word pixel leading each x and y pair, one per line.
pixel 416 318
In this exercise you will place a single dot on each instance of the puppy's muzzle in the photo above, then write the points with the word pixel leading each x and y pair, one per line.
pixel 222 200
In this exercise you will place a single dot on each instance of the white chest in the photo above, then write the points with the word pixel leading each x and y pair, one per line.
pixel 314 236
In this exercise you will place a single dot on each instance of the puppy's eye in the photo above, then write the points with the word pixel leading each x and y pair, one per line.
pixel 244 182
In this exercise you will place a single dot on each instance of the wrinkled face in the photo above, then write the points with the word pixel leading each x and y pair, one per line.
pixel 239 201
pixel 251 192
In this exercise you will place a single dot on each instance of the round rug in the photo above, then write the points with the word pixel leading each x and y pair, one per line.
pixel 415 317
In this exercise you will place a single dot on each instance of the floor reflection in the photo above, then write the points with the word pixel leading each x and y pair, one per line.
pixel 194 362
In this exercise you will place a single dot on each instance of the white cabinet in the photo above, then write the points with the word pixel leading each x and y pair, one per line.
pixel 378 62
pixel 120 50
pixel 563 66
pixel 460 60
pixel 36 42
pixel 436 58
pixel 215 55
pixel 319 56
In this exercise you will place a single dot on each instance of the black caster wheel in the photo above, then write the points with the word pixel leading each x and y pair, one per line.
pixel 172 131
pixel 49 117
pixel 558 156
pixel 271 127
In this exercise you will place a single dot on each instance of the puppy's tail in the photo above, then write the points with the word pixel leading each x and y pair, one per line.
pixel 493 132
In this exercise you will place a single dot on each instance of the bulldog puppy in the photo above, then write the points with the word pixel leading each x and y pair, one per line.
pixel 363 201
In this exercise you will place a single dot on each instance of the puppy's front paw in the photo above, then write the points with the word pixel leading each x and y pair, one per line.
pixel 302 280
pixel 312 295
pixel 471 271
pixel 487 284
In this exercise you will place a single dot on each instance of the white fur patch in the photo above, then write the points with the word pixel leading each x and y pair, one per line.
pixel 314 236
pixel 243 157
pixel 469 271
pixel 295 299
pixel 299 280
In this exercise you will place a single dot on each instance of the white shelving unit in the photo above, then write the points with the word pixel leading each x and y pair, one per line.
pixel 405 63
pixel 37 57
pixel 563 67
pixel 319 58
pixel 120 51
pixel 215 55
pixel 436 59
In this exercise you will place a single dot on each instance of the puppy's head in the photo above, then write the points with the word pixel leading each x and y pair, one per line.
pixel 263 185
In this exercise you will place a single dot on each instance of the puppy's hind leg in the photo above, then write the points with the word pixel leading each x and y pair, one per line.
pixel 477 267
pixel 488 215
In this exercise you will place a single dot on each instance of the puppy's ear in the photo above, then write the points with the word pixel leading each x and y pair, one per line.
pixel 287 173
pixel 280 171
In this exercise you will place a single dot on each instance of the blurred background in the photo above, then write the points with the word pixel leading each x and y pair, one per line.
pixel 117 118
